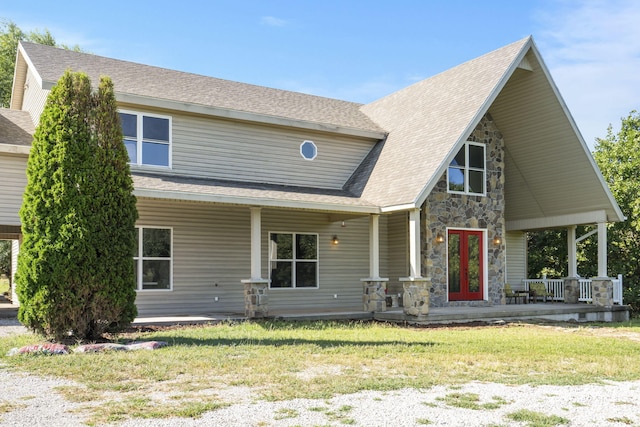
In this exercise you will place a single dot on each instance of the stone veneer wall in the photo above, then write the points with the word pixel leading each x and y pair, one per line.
pixel 442 210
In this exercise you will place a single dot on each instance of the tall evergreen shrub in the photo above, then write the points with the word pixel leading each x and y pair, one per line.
pixel 75 273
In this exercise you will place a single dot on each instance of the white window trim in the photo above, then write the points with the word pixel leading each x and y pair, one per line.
pixel 139 138
pixel 293 261
pixel 315 149
pixel 467 168
pixel 140 258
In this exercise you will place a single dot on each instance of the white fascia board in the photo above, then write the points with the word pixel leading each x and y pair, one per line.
pixel 398 208
pixel 244 116
pixel 15 149
pixel 249 201
pixel 422 196
pixel 593 217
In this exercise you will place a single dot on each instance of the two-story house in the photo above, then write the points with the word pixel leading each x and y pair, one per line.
pixel 253 199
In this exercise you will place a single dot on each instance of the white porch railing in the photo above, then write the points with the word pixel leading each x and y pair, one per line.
pixel 556 286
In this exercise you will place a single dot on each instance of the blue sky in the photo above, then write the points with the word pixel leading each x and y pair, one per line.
pixel 361 50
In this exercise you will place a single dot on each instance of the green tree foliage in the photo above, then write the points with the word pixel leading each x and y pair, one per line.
pixel 618 156
pixel 10 35
pixel 75 269
pixel 5 257
pixel 548 253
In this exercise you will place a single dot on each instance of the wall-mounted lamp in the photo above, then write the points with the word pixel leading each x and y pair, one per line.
pixel 335 240
pixel 497 240
pixel 439 238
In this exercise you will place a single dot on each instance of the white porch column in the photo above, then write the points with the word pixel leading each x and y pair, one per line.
pixel 602 249
pixel 374 287
pixel 572 257
pixel 416 296
pixel 15 249
pixel 256 246
pixel 256 298
pixel 374 246
pixel 415 263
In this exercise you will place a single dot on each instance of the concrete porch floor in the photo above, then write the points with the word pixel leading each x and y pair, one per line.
pixel 437 315
pixel 557 311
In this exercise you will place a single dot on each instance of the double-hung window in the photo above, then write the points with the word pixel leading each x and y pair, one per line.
pixel 293 260
pixel 147 138
pixel 153 258
pixel 467 170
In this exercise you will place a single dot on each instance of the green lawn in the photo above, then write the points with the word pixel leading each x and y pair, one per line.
pixel 4 285
pixel 282 360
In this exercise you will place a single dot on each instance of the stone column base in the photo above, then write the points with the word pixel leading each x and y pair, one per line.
pixel 374 295
pixel 571 290
pixel 256 298
pixel 415 300
pixel 602 291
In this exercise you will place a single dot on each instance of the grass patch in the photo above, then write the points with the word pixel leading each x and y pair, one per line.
pixel 6 407
pixel 285 413
pixel 4 286
pixel 536 419
pixel 622 420
pixel 279 360
pixel 423 421
pixel 471 401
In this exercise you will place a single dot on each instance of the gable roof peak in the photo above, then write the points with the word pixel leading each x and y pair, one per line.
pixel 434 116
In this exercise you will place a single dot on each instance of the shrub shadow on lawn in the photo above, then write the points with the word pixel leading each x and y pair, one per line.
pixel 174 340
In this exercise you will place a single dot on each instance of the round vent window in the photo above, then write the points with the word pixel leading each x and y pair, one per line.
pixel 308 150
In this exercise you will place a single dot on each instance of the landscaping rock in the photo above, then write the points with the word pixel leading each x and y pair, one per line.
pixel 46 349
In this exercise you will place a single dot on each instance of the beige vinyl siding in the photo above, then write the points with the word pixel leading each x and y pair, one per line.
pixel 341 266
pixel 516 244
pixel 212 255
pixel 34 97
pixel 398 224
pixel 14 179
pixel 20 76
pixel 234 150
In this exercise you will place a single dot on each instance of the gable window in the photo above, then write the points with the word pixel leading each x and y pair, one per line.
pixel 308 150
pixel 153 258
pixel 467 170
pixel 293 260
pixel 147 138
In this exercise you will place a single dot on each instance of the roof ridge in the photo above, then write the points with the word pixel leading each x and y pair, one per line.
pixel 186 73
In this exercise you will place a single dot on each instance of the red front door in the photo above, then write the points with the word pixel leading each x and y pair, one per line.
pixel 465 265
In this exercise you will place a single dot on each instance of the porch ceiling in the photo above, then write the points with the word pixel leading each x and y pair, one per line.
pixel 550 177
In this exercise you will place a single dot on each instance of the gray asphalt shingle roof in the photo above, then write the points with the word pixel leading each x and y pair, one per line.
pixel 427 119
pixel 424 121
pixel 161 83
pixel 16 127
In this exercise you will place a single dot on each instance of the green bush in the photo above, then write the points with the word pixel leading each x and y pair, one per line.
pixel 75 273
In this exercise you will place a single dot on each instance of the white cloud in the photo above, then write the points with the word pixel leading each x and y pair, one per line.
pixel 592 49
pixel 273 21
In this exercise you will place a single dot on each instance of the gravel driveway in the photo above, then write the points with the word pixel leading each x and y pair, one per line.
pixel 36 403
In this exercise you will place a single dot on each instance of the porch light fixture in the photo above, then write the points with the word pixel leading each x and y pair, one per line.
pixel 497 240
pixel 439 238
pixel 335 240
